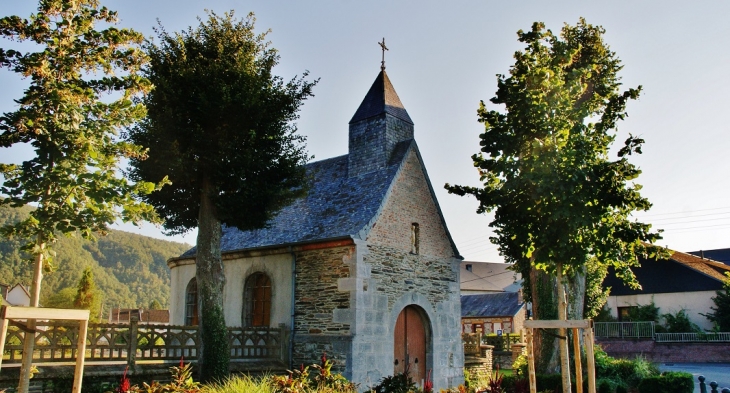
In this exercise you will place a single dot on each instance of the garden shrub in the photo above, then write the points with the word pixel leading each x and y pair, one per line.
pixel 622 372
pixel 668 382
pixel 182 382
pixel 398 383
pixel 519 366
pixel 604 386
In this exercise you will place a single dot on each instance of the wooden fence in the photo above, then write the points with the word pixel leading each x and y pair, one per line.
pixel 135 342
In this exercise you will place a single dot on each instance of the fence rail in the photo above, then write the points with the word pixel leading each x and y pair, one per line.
pixel 56 342
pixel 691 337
pixel 624 329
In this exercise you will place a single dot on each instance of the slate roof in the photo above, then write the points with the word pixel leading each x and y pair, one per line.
pixel 502 304
pixel 337 206
pixel 681 273
pixel 381 98
pixel 720 255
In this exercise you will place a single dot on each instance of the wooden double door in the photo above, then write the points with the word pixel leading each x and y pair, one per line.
pixel 410 343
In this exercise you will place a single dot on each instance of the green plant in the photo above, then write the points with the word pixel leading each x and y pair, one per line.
pixel 604 315
pixel 181 382
pixel 494 384
pixel 668 382
pixel 296 381
pixel 398 383
pixel 241 383
pixel 519 366
pixel 647 312
pixel 623 373
pixel 326 380
pixel 605 386
pixel 679 323
pixel 720 315
pixel 470 380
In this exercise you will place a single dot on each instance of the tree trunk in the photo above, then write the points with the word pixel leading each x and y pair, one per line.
pixel 214 354
pixel 577 294
pixel 29 340
pixel 542 290
pixel 563 332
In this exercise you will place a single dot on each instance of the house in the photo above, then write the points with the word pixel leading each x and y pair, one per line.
pixel 488 277
pixel 682 282
pixel 719 255
pixel 362 268
pixel 17 295
pixel 487 313
pixel 150 317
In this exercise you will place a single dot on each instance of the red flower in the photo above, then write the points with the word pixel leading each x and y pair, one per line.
pixel 124 385
pixel 428 384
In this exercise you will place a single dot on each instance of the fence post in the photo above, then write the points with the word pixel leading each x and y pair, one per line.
pixel 725 390
pixel 703 387
pixel 713 387
pixel 132 349
pixel 284 344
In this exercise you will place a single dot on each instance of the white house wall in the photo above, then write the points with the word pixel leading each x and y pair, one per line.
pixel 18 297
pixel 693 303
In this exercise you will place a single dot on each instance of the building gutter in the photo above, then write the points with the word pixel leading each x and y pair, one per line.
pixel 293 305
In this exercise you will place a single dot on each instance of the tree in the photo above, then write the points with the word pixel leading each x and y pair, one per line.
pixel 86 297
pixel 155 305
pixel 720 314
pixel 220 126
pixel 73 179
pixel 61 299
pixel 559 201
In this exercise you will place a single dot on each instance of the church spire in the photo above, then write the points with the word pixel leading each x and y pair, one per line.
pixel 379 124
pixel 381 98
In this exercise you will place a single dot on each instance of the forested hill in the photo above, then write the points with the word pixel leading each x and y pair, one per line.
pixel 129 269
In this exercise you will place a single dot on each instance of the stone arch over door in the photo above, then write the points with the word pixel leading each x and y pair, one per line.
pixel 412 343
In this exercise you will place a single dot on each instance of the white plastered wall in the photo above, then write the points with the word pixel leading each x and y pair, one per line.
pixel 693 303
pixel 277 266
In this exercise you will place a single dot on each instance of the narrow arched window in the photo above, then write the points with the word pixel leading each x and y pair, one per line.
pixel 191 303
pixel 415 238
pixel 257 300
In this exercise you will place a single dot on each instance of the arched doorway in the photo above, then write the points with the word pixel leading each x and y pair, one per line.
pixel 411 338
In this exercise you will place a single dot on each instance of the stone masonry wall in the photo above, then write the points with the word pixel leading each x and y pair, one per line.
pixel 411 202
pixel 387 277
pixel 372 141
pixel 398 272
pixel 317 297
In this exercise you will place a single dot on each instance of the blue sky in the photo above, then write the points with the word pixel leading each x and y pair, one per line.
pixel 443 59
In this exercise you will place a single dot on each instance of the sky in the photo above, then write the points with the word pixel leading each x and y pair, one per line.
pixel 443 59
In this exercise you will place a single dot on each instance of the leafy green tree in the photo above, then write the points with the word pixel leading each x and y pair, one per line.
pixel 73 180
pixel 87 297
pixel 155 305
pixel 220 126
pixel 720 314
pixel 61 299
pixel 544 163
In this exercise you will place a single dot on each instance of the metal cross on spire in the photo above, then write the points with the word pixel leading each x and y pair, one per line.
pixel 384 48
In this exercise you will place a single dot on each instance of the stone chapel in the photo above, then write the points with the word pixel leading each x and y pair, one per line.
pixel 363 267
